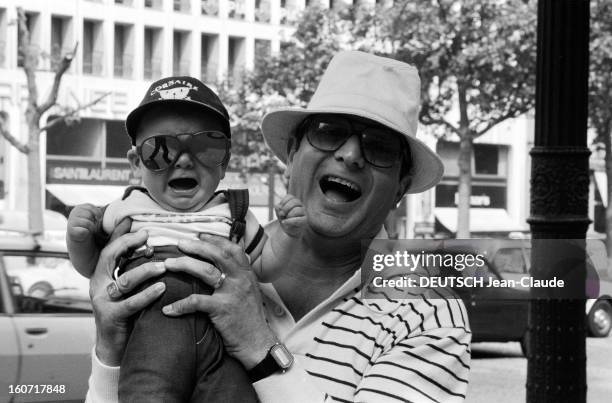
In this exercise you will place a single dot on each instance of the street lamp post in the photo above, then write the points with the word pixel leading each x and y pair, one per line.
pixel 556 370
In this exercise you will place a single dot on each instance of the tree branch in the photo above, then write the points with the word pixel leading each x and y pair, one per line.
pixel 29 61
pixel 22 147
pixel 427 120
pixel 511 113
pixel 71 113
pixel 60 69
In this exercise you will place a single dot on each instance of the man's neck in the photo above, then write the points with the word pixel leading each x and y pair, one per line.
pixel 315 272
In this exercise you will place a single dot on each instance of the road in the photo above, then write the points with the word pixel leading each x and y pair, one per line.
pixel 499 372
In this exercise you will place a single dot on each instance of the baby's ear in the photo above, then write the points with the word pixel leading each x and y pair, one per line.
pixel 135 163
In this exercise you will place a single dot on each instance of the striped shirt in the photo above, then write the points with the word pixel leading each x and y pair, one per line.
pixel 348 349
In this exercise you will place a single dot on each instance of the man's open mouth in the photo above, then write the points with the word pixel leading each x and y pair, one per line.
pixel 183 184
pixel 338 189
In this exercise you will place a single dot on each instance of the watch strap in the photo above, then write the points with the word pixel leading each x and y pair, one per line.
pixel 269 365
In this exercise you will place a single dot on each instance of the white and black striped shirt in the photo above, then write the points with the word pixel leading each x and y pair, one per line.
pixel 349 349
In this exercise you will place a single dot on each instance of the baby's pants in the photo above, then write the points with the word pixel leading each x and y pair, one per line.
pixel 178 359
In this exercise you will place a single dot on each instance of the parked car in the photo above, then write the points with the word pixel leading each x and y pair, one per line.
pixel 46 323
pixel 500 313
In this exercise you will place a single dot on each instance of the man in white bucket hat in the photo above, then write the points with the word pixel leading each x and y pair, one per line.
pixel 311 336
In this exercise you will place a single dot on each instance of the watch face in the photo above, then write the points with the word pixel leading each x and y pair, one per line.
pixel 282 356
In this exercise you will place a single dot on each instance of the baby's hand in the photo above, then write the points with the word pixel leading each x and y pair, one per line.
pixel 84 223
pixel 291 216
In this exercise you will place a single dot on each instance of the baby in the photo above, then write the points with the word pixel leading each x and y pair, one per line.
pixel 180 134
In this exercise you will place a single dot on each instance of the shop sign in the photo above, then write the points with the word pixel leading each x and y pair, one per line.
pixel 485 196
pixel 89 173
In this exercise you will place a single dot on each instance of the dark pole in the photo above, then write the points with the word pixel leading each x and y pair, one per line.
pixel 556 370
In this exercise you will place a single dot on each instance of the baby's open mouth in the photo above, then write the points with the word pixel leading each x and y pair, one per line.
pixel 183 183
pixel 338 189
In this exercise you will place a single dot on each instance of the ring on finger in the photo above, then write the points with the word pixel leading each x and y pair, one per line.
pixel 220 281
pixel 113 291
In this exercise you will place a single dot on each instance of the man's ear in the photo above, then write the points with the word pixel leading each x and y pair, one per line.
pixel 135 163
pixel 404 183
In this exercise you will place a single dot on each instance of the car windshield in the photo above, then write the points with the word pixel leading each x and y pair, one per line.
pixel 49 279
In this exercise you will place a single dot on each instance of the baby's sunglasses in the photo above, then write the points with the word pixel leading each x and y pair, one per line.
pixel 209 148
pixel 380 146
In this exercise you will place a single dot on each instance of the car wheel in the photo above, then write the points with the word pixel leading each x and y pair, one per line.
pixel 40 290
pixel 599 320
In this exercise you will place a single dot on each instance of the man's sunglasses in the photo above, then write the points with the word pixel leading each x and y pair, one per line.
pixel 209 148
pixel 380 146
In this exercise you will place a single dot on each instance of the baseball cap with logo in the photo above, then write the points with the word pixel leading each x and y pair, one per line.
pixel 178 90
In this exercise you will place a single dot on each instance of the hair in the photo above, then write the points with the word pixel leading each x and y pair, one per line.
pixel 406 162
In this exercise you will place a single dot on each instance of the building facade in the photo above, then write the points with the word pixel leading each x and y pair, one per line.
pixel 122 45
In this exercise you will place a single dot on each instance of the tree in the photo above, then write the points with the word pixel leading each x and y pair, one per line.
pixel 476 59
pixel 600 95
pixel 288 79
pixel 29 55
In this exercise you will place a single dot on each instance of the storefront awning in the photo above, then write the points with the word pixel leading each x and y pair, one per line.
pixel 601 180
pixel 98 195
pixel 481 220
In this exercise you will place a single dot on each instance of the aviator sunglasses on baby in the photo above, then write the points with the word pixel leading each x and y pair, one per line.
pixel 209 148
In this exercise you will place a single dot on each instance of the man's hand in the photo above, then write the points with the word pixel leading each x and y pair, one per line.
pixel 112 311
pixel 291 216
pixel 235 308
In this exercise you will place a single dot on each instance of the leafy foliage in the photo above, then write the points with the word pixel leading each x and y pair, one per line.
pixel 600 72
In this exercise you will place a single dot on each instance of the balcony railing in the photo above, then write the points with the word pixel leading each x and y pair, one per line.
pixel 236 9
pixel 93 63
pixel 123 66
pixel 152 68
pixel 210 7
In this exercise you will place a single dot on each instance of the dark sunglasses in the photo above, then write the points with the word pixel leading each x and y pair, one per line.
pixel 380 146
pixel 209 148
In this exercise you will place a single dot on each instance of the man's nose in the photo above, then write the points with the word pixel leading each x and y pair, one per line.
pixel 350 153
pixel 185 161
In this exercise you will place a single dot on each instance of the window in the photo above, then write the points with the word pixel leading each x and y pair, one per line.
pixel 236 58
pixel 117 141
pixel 486 159
pixel 2 37
pixel 60 32
pixel 180 52
pixel 489 175
pixel 236 9
pixel 208 62
pixel 124 2
pixel 156 4
pixel 46 283
pixel 92 47
pixel 262 11
pixel 263 50
pixel 83 139
pixel 152 53
pixel 123 57
pixel 33 29
pixel 3 121
pixel 183 6
pixel 210 7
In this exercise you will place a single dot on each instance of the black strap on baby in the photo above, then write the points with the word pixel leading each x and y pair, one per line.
pixel 238 200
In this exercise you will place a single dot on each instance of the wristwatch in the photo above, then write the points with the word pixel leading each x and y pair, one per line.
pixel 278 359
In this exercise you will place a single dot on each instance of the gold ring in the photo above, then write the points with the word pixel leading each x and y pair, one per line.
pixel 220 281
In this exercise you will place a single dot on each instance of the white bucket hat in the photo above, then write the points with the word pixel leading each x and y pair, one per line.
pixel 355 83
